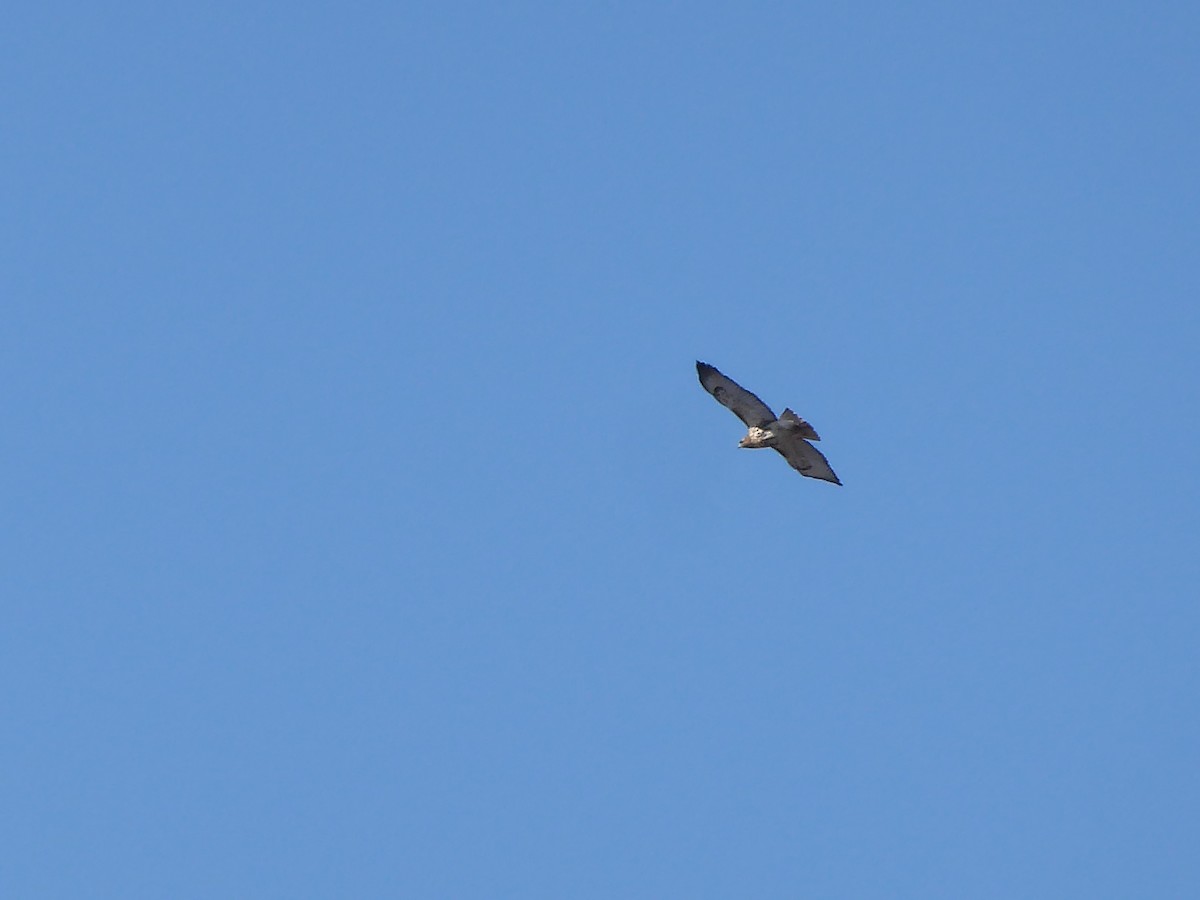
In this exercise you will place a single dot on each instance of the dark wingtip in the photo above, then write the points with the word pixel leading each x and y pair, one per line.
pixel 703 369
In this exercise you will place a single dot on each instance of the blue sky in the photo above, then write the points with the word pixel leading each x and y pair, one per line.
pixel 367 533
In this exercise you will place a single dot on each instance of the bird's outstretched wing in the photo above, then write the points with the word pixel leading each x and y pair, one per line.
pixel 805 458
pixel 752 411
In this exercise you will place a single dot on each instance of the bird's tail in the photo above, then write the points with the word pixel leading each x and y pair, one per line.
pixel 802 428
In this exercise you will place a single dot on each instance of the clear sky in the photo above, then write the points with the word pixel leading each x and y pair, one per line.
pixel 366 531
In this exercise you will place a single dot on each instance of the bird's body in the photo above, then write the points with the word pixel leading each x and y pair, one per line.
pixel 788 434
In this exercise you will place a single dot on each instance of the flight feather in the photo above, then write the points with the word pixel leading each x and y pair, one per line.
pixel 745 405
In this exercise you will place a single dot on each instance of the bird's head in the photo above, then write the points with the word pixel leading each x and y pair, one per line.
pixel 756 438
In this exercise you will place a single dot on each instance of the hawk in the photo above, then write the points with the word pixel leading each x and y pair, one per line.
pixel 786 434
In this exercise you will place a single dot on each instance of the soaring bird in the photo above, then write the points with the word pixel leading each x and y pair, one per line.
pixel 786 434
